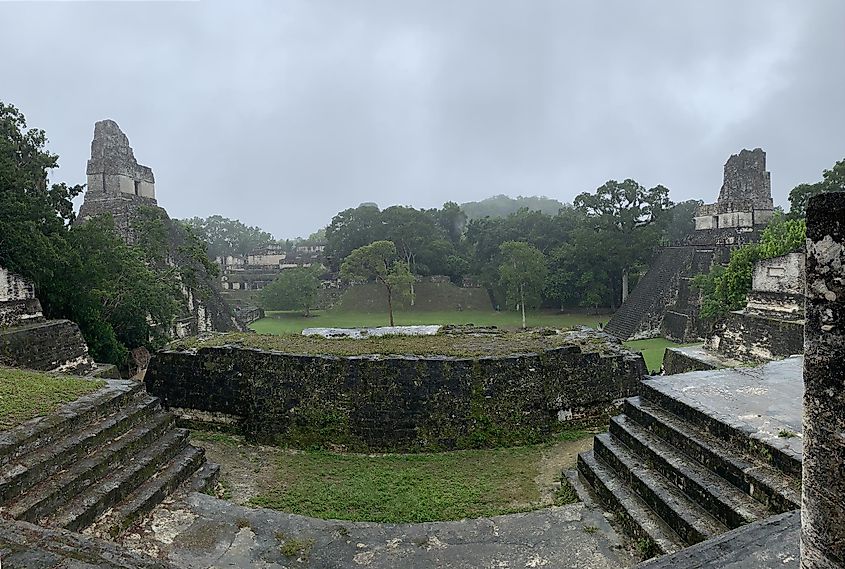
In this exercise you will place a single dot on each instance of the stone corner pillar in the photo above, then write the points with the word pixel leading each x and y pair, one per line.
pixel 823 479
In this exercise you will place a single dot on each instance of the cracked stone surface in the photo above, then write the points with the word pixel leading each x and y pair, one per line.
pixel 202 532
pixel 761 401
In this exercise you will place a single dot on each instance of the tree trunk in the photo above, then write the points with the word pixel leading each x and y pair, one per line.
pixel 624 285
pixel 390 305
pixel 410 270
pixel 522 305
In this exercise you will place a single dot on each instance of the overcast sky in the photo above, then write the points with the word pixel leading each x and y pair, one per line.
pixel 282 113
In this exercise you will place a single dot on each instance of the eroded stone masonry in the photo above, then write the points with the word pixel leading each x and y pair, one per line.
pixel 120 187
pixel 400 402
pixel 28 340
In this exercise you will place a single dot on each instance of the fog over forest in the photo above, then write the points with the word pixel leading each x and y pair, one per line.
pixel 283 113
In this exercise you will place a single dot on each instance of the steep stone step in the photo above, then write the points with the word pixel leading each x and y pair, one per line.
pixel 87 506
pixel 204 479
pixel 47 496
pixel 67 419
pixel 150 493
pixel 779 493
pixel 721 499
pixel 48 459
pixel 633 514
pixel 734 433
pixel 687 519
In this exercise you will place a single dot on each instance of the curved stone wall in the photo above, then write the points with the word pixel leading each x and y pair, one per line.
pixel 396 402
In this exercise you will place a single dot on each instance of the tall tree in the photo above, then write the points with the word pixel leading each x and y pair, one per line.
pixel 627 219
pixel 522 274
pixel 226 236
pixel 351 229
pixel 378 262
pixel 291 290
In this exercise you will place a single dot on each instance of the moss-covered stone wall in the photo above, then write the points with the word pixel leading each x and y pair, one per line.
pixel 403 403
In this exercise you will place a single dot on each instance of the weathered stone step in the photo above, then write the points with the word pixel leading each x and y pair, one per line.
pixel 47 496
pixel 150 493
pixel 724 501
pixel 734 432
pixel 205 478
pixel 687 519
pixel 69 418
pixel 779 493
pixel 48 459
pixel 632 513
pixel 86 507
pixel 28 546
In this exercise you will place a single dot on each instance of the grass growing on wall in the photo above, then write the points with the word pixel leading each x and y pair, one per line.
pixel 653 351
pixel 25 395
pixel 294 322
pixel 407 488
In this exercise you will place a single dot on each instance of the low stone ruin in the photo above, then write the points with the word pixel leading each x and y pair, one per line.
pixel 399 402
pixel 28 340
pixel 772 323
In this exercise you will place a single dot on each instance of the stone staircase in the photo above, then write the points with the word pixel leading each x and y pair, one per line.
pixel 674 475
pixel 99 463
pixel 641 315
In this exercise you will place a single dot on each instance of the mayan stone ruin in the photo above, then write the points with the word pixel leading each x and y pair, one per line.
pixel 120 187
pixel 666 304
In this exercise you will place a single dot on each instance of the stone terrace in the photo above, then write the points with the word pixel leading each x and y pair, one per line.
pixel 701 453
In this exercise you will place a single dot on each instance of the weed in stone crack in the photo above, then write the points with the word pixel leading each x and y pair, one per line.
pixel 242 523
pixel 565 494
pixel 295 547
pixel 590 529
pixel 647 548
pixel 787 434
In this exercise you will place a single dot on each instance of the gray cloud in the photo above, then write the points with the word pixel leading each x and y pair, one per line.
pixel 282 113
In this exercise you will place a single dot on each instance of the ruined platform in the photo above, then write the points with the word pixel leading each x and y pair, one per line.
pixel 694 358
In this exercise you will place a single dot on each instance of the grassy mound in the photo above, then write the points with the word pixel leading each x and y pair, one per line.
pixel 294 322
pixel 493 343
pixel 25 395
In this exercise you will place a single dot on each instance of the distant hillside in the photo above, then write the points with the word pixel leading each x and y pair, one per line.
pixel 502 206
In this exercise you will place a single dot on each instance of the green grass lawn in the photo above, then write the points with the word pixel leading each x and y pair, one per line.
pixel 25 395
pixel 294 322
pixel 653 351
pixel 408 488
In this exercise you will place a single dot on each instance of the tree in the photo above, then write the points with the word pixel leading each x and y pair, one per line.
pixel 351 229
pixel 293 289
pixel 226 236
pixel 680 220
pixel 628 220
pixel 833 180
pixel 522 274
pixel 452 219
pixel 378 261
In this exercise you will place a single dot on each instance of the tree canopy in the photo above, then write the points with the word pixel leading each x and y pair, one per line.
pixel 292 289
pixel 833 180
pixel 225 236
pixel 522 274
